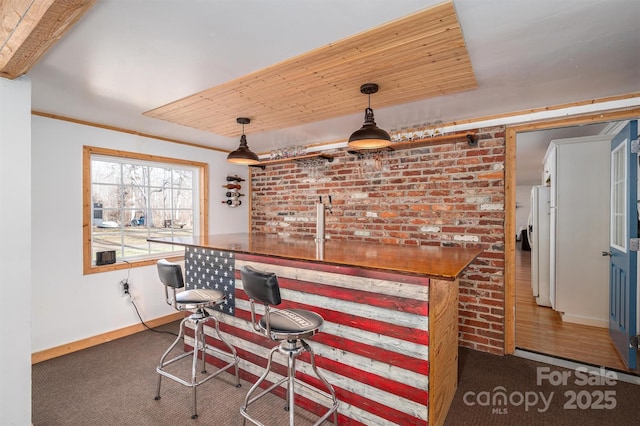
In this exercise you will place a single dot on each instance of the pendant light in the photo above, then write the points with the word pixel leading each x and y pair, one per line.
pixel 369 136
pixel 243 155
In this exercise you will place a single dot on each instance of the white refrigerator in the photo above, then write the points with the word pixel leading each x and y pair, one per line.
pixel 539 233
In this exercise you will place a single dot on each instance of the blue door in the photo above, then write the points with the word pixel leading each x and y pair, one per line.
pixel 624 226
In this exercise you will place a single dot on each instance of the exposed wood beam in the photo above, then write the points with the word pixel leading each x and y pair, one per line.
pixel 29 27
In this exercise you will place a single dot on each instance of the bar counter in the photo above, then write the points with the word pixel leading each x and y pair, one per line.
pixel 389 344
pixel 445 263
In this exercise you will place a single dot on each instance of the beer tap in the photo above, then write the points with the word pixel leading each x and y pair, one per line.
pixel 320 217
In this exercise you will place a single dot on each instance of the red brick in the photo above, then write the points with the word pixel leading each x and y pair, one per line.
pixel 426 186
pixel 387 214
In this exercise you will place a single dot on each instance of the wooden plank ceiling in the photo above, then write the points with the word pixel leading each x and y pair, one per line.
pixel 420 56
pixel 29 27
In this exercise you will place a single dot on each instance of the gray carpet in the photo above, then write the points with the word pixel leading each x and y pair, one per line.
pixel 114 384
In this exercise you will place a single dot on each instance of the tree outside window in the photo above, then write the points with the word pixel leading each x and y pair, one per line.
pixel 132 197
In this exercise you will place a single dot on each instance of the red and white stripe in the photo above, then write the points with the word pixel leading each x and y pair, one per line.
pixel 373 347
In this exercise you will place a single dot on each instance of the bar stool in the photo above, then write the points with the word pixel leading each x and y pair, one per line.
pixel 288 327
pixel 192 300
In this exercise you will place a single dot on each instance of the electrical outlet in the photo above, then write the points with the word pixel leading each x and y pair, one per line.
pixel 125 288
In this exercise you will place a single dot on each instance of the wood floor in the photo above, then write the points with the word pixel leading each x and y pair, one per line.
pixel 542 330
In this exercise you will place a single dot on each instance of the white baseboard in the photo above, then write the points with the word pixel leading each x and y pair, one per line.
pixel 577 319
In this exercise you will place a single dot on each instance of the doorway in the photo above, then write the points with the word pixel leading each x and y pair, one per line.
pixel 535 328
pixel 541 329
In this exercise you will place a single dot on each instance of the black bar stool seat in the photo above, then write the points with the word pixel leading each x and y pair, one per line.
pixel 292 324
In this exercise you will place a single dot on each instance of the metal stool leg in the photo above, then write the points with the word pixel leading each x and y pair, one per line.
pixel 197 335
pixel 231 348
pixel 203 346
pixel 291 396
pixel 164 356
pixel 334 408
pixel 248 400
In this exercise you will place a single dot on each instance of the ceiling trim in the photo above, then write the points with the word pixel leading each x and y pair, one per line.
pixel 525 119
pixel 584 118
pixel 30 27
pixel 122 130
pixel 546 108
pixel 416 57
pixel 523 125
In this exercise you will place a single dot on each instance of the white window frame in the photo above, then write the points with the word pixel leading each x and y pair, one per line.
pixel 618 235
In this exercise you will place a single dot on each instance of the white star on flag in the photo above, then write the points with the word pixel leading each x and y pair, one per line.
pixel 204 265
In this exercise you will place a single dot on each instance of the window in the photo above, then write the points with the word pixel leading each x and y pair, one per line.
pixel 129 197
pixel 618 197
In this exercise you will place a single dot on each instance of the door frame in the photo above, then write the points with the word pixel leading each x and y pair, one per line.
pixel 510 203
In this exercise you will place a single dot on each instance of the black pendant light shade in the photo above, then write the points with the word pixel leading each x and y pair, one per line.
pixel 243 155
pixel 369 136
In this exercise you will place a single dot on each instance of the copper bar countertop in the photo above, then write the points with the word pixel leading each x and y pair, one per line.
pixel 445 263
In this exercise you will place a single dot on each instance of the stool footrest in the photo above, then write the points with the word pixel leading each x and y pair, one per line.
pixel 200 346
pixel 197 383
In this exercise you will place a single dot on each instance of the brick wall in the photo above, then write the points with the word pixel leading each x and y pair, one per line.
pixel 447 194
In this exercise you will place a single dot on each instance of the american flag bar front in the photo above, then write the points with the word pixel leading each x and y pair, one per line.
pixel 374 347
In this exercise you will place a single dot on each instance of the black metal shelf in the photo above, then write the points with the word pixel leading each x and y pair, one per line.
pixel 471 139
pixel 265 163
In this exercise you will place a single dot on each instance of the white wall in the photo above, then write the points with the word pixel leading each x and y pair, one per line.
pixel 523 207
pixel 15 251
pixel 67 305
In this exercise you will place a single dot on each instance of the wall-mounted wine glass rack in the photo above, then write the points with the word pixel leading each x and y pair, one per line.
pixel 263 164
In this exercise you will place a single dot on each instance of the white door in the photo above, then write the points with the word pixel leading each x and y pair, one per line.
pixel 581 221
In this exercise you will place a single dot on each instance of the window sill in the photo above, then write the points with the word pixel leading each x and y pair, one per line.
pixel 94 269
